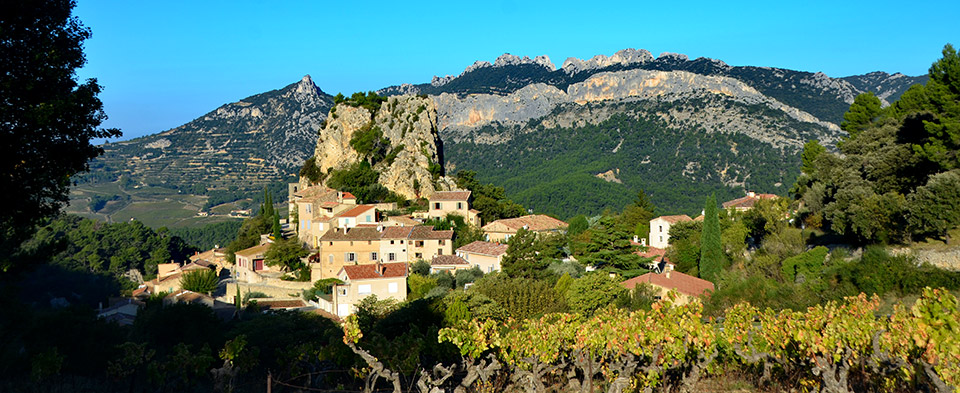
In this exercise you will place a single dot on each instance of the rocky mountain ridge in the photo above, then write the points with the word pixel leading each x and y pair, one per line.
pixel 245 144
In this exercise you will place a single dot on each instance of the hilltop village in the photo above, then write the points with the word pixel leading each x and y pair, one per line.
pixel 362 250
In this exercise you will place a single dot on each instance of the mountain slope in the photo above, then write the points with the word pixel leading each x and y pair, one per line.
pixel 245 144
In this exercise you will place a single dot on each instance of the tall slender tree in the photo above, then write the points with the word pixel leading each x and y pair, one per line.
pixel 711 251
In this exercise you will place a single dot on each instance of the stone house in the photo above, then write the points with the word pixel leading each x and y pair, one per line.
pixel 485 255
pixel 443 203
pixel 317 206
pixel 450 263
pixel 502 230
pixel 688 287
pixel 747 202
pixel 660 229
pixel 385 280
pixel 346 246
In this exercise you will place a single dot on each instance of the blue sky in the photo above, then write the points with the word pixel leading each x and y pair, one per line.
pixel 163 64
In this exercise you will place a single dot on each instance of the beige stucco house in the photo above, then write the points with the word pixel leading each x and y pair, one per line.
pixel 443 203
pixel 660 229
pixel 687 286
pixel 346 246
pixel 317 207
pixel 502 230
pixel 385 280
pixel 485 255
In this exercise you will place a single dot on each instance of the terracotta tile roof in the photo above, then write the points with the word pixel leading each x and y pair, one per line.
pixel 358 233
pixel 450 196
pixel 369 271
pixel 313 192
pixel 280 303
pixel 396 232
pixel 747 201
pixel 485 248
pixel 674 219
pixel 357 211
pixel 652 252
pixel 444 260
pixel 403 220
pixel 197 265
pixel 699 218
pixel 533 222
pixel 683 283
pixel 169 277
pixel 330 204
pixel 326 315
pixel 347 195
pixel 254 251
pixel 426 232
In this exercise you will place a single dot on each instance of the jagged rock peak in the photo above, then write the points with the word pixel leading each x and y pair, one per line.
pixel 507 59
pixel 306 85
pixel 624 57
pixel 438 81
pixel 672 56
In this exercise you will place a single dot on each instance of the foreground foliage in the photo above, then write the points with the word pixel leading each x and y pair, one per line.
pixel 837 347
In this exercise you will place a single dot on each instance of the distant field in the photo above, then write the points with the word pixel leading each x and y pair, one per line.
pixel 154 206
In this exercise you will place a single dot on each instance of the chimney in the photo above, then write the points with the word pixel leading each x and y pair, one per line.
pixel 380 269
pixel 636 239
pixel 667 273
pixel 643 242
pixel 751 194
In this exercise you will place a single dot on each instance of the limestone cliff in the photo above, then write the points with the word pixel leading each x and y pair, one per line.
pixel 410 125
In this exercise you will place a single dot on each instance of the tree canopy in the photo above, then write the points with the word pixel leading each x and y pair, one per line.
pixel 47 118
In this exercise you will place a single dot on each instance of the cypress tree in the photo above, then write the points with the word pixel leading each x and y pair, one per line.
pixel 711 251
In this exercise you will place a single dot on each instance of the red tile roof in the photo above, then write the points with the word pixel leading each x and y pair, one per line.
pixel 358 233
pixel 652 252
pixel 360 209
pixel 280 303
pixel 674 219
pixel 485 248
pixel 683 283
pixel 747 201
pixel 254 251
pixel 396 232
pixel 426 232
pixel 450 196
pixel 347 195
pixel 533 222
pixel 369 271
pixel 443 260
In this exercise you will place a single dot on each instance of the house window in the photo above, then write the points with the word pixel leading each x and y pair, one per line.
pixel 393 287
pixel 308 208
pixel 401 242
pixel 308 224
pixel 418 243
pixel 392 256
pixel 459 205
pixel 331 243
pixel 373 256
pixel 351 243
pixel 391 242
pixel 363 289
pixel 418 255
pixel 350 257
pixel 441 242
pixel 661 228
pixel 343 291
pixel 661 239
pixel 369 242
pixel 369 219
pixel 436 205
pixel 439 251
pixel 331 259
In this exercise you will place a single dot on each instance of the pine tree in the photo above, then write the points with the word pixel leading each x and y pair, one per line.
pixel 711 252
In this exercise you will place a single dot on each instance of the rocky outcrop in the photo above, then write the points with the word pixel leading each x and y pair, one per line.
pixel 625 57
pixel 460 116
pixel 409 123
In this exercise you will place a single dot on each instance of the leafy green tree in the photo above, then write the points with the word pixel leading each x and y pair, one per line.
pixel 286 254
pixel 592 292
pixel 420 267
pixel 935 208
pixel 577 225
pixel 606 246
pixel 939 112
pixel 420 285
pixel 806 264
pixel 864 110
pixel 200 281
pixel 811 150
pixel 523 256
pixel 520 297
pixel 712 259
pixel 47 118
pixel 466 276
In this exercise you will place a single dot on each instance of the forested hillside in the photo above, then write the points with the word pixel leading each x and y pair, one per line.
pixel 676 163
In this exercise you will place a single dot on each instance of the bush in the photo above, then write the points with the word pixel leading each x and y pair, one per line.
pixel 200 281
